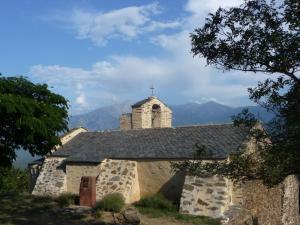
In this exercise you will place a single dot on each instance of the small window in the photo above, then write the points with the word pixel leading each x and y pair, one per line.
pixel 155 107
pixel 155 117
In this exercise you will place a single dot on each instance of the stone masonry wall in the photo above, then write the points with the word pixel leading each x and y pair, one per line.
pixel 265 204
pixel 52 177
pixel 76 171
pixel 126 121
pixel 118 176
pixel 34 171
pixel 206 196
pixel 291 209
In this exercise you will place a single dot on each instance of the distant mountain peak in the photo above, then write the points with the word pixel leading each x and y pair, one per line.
pixel 192 113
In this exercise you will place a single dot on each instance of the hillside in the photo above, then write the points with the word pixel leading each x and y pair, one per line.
pixel 107 118
pixel 103 118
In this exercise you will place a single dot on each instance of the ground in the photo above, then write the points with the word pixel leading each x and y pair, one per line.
pixel 24 209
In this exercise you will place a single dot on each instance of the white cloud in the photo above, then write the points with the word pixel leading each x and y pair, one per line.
pixel 80 100
pixel 200 6
pixel 125 23
pixel 120 77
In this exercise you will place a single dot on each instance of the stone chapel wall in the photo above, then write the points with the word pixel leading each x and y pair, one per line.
pixel 52 177
pixel 118 176
pixel 155 177
pixel 77 170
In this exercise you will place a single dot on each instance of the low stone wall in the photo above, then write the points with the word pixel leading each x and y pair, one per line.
pixel 206 196
pixel 291 209
pixel 264 204
pixel 118 176
pixel 52 177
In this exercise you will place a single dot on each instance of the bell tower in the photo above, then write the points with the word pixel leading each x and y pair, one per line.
pixel 148 113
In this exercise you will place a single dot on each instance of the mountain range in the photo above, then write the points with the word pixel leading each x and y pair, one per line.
pixel 107 118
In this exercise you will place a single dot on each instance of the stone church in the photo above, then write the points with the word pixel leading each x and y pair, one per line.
pixel 135 161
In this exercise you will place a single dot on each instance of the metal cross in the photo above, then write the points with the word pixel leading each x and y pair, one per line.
pixel 152 89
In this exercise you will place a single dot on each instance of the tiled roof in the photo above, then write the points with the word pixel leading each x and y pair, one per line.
pixel 156 143
pixel 139 103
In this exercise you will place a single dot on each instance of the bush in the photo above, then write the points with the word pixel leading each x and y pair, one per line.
pixel 13 180
pixel 66 199
pixel 156 202
pixel 42 199
pixel 112 202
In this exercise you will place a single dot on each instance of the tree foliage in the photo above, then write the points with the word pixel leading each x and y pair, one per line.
pixel 31 118
pixel 258 36
pixel 13 180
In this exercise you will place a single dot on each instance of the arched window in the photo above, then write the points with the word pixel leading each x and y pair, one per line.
pixel 155 116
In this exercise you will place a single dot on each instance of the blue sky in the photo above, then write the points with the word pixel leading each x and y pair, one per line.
pixel 97 53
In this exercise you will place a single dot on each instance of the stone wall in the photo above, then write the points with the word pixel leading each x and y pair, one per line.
pixel 291 209
pixel 137 118
pixel 265 204
pixel 155 176
pixel 77 170
pixel 118 176
pixel 126 121
pixel 52 177
pixel 206 196
pixel 34 171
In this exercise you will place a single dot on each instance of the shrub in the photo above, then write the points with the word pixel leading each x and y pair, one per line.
pixel 98 214
pixel 156 202
pixel 42 199
pixel 112 202
pixel 66 199
pixel 13 180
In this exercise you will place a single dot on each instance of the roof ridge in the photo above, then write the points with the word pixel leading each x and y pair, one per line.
pixel 160 128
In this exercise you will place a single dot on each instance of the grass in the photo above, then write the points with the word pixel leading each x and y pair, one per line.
pixel 112 203
pixel 24 209
pixel 158 206
pixel 66 199
pixel 156 202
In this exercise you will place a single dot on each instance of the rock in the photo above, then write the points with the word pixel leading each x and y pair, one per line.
pixel 129 216
pixel 237 215
pixel 132 216
pixel 108 218
pixel 119 219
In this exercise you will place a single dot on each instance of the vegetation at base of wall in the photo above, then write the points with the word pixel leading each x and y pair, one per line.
pixel 13 180
pixel 112 202
pixel 66 199
pixel 158 206
pixel 156 202
pixel 197 219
